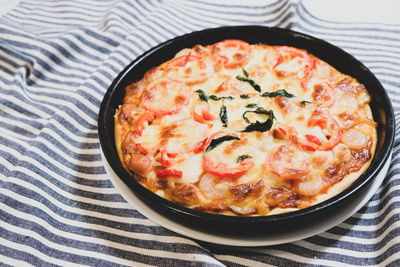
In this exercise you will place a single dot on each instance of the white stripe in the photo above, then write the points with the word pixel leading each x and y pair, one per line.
pixel 242 261
pixel 31 108
pixel 77 150
pixel 61 248
pixel 394 257
pixel 96 240
pixel 108 257
pixel 33 251
pixel 77 211
pixel 13 262
pixel 84 5
pixel 73 135
pixel 45 169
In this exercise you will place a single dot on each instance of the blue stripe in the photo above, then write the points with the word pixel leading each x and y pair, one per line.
pixel 21 255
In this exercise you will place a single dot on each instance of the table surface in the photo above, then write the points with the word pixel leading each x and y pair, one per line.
pixel 58 205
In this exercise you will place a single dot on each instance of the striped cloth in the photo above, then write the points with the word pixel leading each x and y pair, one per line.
pixel 58 205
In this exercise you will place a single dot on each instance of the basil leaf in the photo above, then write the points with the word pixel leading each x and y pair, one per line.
pixel 215 142
pixel 244 96
pixel 223 116
pixel 259 126
pixel 250 81
pixel 245 73
pixel 202 95
pixel 243 157
pixel 259 110
pixel 280 92
pixel 304 102
pixel 247 79
pixel 216 98
pixel 251 105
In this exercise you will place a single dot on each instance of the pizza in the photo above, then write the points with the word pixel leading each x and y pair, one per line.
pixel 245 129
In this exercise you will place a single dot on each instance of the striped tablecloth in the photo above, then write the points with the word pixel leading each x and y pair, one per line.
pixel 58 205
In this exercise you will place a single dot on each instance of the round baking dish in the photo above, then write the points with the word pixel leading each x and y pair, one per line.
pixel 339 59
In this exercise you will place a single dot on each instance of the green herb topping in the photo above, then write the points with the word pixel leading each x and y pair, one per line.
pixel 280 92
pixel 215 142
pixel 251 105
pixel 304 102
pixel 246 78
pixel 216 98
pixel 202 95
pixel 243 157
pixel 223 116
pixel 259 126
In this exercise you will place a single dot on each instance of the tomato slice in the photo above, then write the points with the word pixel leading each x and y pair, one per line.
pixel 201 113
pixel 232 53
pixel 165 173
pixel 142 122
pixel 189 137
pixel 188 68
pixel 331 130
pixel 324 94
pixel 165 98
pixel 289 163
pixel 287 54
pixel 222 169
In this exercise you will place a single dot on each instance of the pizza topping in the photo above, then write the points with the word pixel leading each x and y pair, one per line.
pixel 355 139
pixel 127 113
pixel 166 97
pixel 245 96
pixel 201 113
pixel 140 164
pixel 185 194
pixel 304 103
pixel 242 191
pixel 290 55
pixel 246 78
pixel 243 157
pixel 222 163
pixel 331 130
pixel 223 115
pixel 214 142
pixel 294 62
pixel 289 163
pixel 324 94
pixel 280 92
pixel 165 173
pixel 222 169
pixel 281 197
pixel 186 138
pixel 342 153
pixel 259 126
pixel 311 186
pixel 142 122
pixel 347 86
pixel 188 68
pixel 284 103
pixel 212 187
pixel 232 53
pixel 204 97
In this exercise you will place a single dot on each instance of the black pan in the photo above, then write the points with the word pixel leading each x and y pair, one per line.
pixel 339 59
